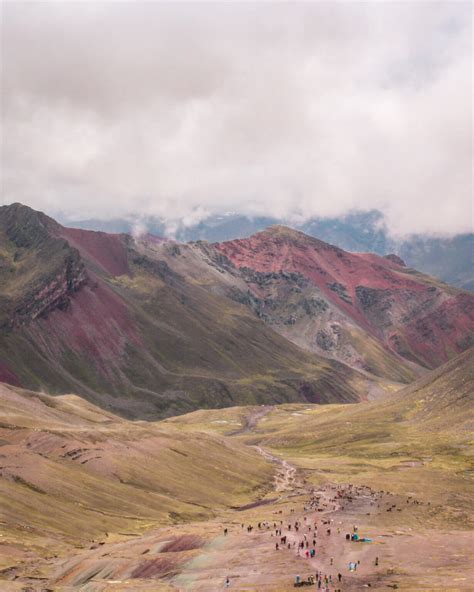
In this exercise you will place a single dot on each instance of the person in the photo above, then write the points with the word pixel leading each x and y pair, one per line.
pixel 276 547
pixel 225 531
pixel 376 561
pixel 298 580
pixel 339 577
pixel 227 582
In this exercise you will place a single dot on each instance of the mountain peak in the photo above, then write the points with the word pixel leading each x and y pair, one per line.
pixel 25 226
pixel 280 230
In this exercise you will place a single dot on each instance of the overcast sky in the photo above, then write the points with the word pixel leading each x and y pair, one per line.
pixel 291 110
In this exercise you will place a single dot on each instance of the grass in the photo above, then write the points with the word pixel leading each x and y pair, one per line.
pixel 125 477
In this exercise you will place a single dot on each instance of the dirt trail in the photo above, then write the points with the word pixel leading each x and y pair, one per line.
pixel 285 476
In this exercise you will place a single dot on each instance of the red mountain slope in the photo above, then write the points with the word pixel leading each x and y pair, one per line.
pixel 417 317
pixel 108 251
pixel 88 312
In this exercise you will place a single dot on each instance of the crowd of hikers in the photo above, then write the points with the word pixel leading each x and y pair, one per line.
pixel 304 536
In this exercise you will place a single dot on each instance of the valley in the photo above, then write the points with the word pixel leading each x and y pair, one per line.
pixel 145 506
pixel 236 296
pixel 168 408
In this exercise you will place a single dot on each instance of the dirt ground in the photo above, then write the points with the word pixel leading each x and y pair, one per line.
pixel 201 556
pixel 238 548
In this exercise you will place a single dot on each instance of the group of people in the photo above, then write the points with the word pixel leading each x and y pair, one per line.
pixel 302 534
pixel 319 580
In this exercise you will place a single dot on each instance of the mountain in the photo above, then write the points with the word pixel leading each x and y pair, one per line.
pixel 448 258
pixel 327 299
pixel 151 328
pixel 100 315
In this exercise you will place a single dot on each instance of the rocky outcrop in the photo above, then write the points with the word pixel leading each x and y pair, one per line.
pixel 39 270
pixel 55 292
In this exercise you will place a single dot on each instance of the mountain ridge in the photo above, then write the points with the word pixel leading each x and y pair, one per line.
pixel 356 231
pixel 138 337
pixel 148 327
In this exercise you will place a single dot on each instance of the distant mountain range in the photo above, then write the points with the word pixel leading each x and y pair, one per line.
pixel 151 328
pixel 450 259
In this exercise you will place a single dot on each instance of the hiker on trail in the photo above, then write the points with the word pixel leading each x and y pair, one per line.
pixel 332 560
pixel 277 547
pixel 376 561
pixel 227 583
pixel 225 531
pixel 339 577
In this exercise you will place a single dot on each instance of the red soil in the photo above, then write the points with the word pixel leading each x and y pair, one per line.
pixel 106 250
pixel 97 324
pixel 156 568
pixel 432 322
pixel 183 543
pixel 7 375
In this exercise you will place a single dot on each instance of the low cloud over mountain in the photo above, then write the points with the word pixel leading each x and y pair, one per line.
pixel 290 110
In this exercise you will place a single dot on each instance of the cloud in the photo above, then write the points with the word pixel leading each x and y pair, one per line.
pixel 182 110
